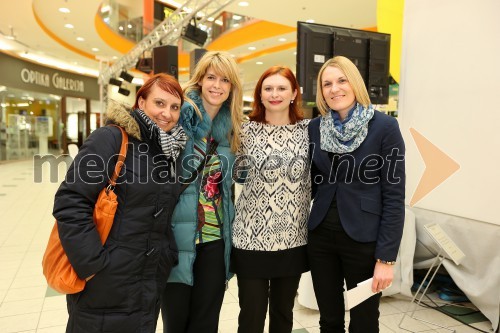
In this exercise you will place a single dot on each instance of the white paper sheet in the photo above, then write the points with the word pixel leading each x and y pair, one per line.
pixel 358 294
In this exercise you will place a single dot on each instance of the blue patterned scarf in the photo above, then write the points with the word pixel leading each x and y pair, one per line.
pixel 345 137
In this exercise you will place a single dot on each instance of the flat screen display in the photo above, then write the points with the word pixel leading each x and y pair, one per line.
pixel 316 43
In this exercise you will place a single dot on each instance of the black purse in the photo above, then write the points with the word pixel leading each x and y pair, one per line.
pixel 211 150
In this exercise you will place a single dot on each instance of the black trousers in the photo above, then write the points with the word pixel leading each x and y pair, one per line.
pixel 254 295
pixel 196 309
pixel 333 257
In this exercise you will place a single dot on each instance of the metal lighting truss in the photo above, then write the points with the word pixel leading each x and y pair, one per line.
pixel 167 32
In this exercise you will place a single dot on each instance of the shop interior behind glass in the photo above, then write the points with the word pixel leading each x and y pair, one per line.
pixel 34 123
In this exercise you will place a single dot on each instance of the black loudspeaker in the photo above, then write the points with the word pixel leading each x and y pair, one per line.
pixel 165 60
pixel 378 73
pixel 195 35
pixel 194 57
pixel 159 11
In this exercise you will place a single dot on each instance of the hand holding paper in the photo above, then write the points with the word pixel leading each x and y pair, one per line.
pixel 358 294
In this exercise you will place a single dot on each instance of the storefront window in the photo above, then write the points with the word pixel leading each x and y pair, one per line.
pixel 80 121
pixel 29 124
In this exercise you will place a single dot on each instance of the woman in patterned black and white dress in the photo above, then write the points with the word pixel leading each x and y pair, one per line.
pixel 270 228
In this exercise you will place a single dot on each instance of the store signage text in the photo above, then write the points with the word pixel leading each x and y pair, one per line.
pixel 59 82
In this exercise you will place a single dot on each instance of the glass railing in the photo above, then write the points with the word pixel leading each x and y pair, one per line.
pixel 227 21
pixel 128 22
pixel 120 19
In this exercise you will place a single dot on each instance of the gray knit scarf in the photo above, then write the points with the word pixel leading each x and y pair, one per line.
pixel 172 142
pixel 345 137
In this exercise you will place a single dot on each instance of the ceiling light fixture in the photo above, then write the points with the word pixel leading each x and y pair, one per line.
pixel 194 34
pixel 69 26
pixel 64 10
pixel 282 39
pixel 243 4
pixel 4 46
pixel 259 63
pixel 126 76
pixel 115 82
pixel 80 39
pixel 252 48
pixel 144 64
pixel 95 49
pixel 123 91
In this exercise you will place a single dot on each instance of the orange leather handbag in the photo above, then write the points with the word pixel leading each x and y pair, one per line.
pixel 57 269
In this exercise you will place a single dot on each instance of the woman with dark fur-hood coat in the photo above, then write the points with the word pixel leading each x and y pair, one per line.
pixel 126 275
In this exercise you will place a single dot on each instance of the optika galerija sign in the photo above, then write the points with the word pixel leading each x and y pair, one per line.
pixel 58 82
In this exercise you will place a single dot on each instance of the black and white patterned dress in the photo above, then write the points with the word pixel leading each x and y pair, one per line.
pixel 269 232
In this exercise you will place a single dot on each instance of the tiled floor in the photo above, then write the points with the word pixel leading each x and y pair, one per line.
pixel 27 305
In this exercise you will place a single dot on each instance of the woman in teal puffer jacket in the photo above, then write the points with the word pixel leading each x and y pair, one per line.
pixel 203 216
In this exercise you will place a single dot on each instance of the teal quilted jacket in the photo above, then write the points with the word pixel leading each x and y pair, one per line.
pixel 185 220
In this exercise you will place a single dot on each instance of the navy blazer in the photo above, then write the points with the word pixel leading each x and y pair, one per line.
pixel 369 185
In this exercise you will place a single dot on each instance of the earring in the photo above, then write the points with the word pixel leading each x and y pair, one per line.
pixel 291 102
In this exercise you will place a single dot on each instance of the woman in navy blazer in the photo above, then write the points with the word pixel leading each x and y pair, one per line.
pixel 358 179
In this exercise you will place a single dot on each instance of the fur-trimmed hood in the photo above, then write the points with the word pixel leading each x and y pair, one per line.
pixel 119 114
pixel 197 128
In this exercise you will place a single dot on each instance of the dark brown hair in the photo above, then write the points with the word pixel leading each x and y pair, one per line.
pixel 259 111
pixel 165 82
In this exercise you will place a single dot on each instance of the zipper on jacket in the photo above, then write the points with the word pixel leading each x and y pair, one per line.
pixel 150 250
pixel 158 212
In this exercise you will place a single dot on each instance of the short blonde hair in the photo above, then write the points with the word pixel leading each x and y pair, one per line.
pixel 353 76
pixel 224 65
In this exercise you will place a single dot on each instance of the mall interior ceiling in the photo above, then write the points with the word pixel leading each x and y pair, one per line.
pixel 41 31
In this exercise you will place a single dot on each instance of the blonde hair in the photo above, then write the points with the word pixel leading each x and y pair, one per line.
pixel 224 65
pixel 353 77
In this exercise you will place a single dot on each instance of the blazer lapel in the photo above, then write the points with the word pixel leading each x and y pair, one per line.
pixel 321 159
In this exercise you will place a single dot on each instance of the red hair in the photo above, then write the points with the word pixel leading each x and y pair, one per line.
pixel 259 111
pixel 165 82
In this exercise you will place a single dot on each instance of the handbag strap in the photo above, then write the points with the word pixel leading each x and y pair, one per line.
pixel 121 158
pixel 211 150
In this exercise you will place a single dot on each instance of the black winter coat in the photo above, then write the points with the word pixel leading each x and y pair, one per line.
pixel 132 267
